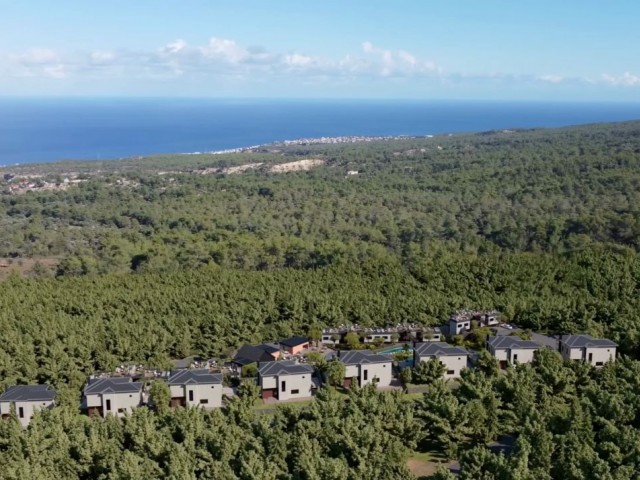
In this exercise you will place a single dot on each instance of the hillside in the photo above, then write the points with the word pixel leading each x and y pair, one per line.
pixel 539 191
pixel 158 258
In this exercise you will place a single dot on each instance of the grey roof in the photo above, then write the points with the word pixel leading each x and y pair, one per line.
pixel 294 341
pixel 360 357
pixel 194 377
pixel 509 341
pixel 254 353
pixel 285 367
pixel 112 385
pixel 581 341
pixel 28 393
pixel 438 349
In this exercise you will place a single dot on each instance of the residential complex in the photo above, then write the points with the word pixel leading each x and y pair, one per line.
pixel 399 333
pixel 460 321
pixel 283 374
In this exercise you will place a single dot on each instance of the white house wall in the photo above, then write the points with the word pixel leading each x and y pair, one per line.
pixel 381 371
pixel 121 401
pixel 94 400
pixel 524 355
pixel 211 394
pixel 302 383
pixel 600 355
pixel 501 354
pixel 450 362
pixel 351 371
pixel 28 409
pixel 269 382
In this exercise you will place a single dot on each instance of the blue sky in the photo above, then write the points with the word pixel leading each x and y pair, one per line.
pixel 457 49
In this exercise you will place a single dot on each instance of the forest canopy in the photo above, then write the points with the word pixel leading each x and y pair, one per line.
pixel 155 259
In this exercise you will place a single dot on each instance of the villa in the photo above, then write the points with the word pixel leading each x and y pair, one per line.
pixel 595 351
pixel 367 367
pixel 453 358
pixel 285 380
pixel 26 399
pixel 511 349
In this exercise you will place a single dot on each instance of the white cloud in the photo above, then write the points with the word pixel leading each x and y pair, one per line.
pixel 102 58
pixel 224 57
pixel 627 79
pixel 175 47
pixel 55 71
pixel 225 49
pixel 36 56
pixel 551 78
pixel 400 62
pixel 298 60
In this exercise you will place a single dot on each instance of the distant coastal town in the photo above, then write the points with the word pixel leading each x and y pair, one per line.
pixel 313 141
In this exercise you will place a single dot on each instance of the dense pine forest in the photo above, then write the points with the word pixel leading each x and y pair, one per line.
pixel 154 259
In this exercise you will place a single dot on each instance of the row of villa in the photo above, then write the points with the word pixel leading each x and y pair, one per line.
pixel 284 379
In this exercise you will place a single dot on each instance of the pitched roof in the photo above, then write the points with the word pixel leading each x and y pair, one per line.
pixel 360 357
pixel 294 341
pixel 285 367
pixel 254 353
pixel 509 341
pixel 581 341
pixel 438 349
pixel 112 385
pixel 28 393
pixel 194 377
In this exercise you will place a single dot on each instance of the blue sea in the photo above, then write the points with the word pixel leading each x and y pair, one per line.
pixel 44 130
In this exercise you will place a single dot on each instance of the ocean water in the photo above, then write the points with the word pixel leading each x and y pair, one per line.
pixel 44 130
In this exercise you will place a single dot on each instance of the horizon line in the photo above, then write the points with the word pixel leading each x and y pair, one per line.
pixel 313 99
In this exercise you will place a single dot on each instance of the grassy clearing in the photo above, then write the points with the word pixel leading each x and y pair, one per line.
pixel 424 464
pixel 260 405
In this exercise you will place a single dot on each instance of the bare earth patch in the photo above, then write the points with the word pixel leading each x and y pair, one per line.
pixel 24 266
pixel 299 165
pixel 242 168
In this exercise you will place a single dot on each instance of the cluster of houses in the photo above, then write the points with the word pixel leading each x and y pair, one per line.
pixel 410 332
pixel 283 374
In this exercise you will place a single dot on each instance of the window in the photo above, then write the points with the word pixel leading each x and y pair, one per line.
pixel 121 410
pixel 130 396
pixel 191 395
pixel 108 405
pixel 213 386
pixel 451 372
pixel 204 401
pixel 384 366
pixel 591 357
pixel 365 375
pixel 599 364
pixel 515 357
pixel 21 412
pixel 283 386
pixel 295 392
